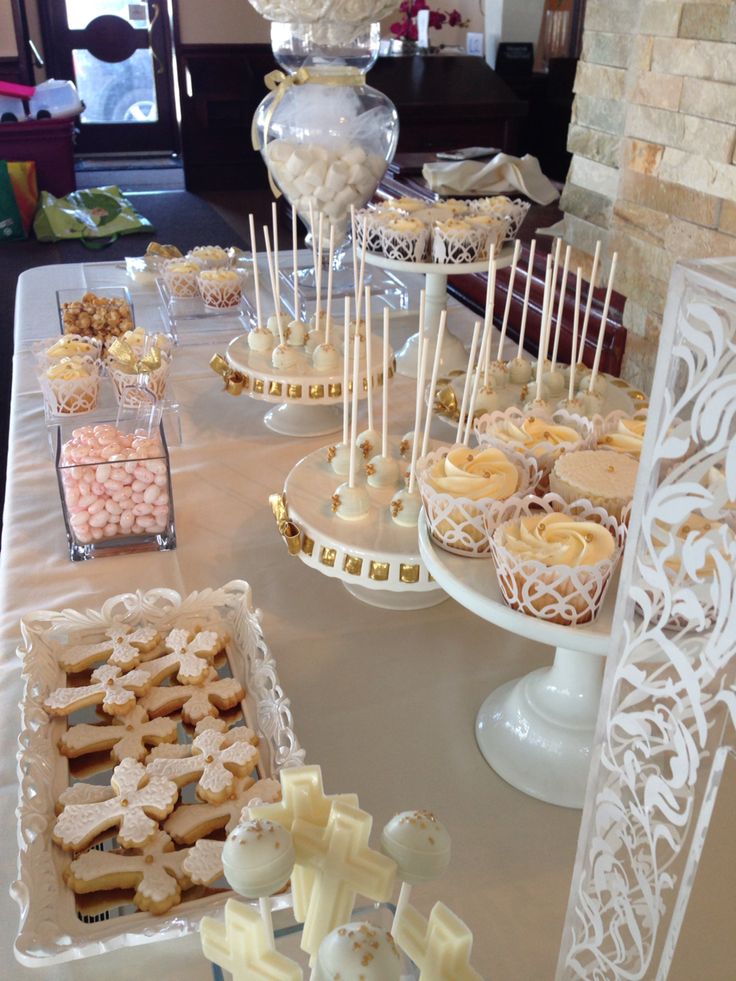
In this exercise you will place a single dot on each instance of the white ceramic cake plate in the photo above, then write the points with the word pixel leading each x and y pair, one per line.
pixel 50 930
pixel 619 395
pixel 454 355
pixel 536 731
pixel 376 560
pixel 307 403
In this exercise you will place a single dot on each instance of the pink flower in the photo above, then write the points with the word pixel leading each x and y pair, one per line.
pixel 455 18
pixel 436 19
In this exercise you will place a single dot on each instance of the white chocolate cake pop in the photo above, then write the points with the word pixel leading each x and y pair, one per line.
pixel 261 340
pixel 325 357
pixel 592 403
pixel 284 357
pixel 405 506
pixel 338 457
pixel 368 442
pixel 351 503
pixel 599 384
pixel 539 407
pixel 258 858
pixel 315 337
pixel 358 952
pixel 487 400
pixel 419 844
pixel 406 444
pixel 296 333
pixel 383 471
pixel 520 371
pixel 553 383
pixel 272 323
pixel 498 373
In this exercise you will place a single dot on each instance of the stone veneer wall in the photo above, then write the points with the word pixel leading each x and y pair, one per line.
pixel 653 137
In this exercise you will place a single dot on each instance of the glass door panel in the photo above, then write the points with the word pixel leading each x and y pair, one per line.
pixel 121 92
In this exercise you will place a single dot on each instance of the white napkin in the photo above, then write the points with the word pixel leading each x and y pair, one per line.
pixel 503 173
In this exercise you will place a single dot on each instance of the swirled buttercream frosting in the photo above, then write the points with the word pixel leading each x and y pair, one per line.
pixel 475 474
pixel 558 539
pixel 627 437
pixel 533 433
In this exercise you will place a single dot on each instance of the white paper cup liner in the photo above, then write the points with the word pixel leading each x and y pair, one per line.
pixel 220 296
pixel 154 381
pixel 459 524
pixel 492 235
pixel 404 246
pixel 456 245
pixel 68 397
pixel 487 427
pixel 570 595
pixel 604 425
pixel 182 285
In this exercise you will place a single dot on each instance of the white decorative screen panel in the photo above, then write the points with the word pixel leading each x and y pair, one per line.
pixel 668 708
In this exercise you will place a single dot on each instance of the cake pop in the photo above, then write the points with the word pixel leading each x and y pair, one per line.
pixel 284 357
pixel 261 340
pixel 297 329
pixel 382 469
pixel 499 369
pixel 296 333
pixel 358 952
pixel 258 858
pixel 419 844
pixel 326 358
pixel 572 403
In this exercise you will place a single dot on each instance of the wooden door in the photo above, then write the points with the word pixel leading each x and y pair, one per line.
pixel 119 55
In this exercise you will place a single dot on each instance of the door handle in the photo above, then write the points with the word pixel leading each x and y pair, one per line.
pixel 156 11
pixel 35 55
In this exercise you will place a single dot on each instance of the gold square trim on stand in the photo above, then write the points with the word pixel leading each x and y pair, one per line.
pixel 334 390
pixel 316 391
pixel 408 573
pixel 327 556
pixel 274 388
pixel 379 571
pixel 294 391
pixel 307 544
pixel 353 565
pixel 258 386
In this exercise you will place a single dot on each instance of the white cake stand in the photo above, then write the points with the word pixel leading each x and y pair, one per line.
pixel 307 403
pixel 536 731
pixel 454 355
pixel 376 560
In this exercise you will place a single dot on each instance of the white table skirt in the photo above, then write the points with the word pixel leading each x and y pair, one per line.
pixel 385 702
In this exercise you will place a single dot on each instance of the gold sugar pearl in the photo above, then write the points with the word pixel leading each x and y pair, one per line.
pixel 588 537
pixel 686 529
pixel 611 469
pixel 124 802
pixel 129 728
pixel 149 859
pixel 209 759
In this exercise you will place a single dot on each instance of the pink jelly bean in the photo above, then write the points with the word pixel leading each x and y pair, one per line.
pixel 138 486
pixel 145 476
pixel 97 534
pixel 99 519
pixel 80 519
pixel 160 480
pixel 103 473
pixel 141 509
pixel 110 530
pixel 151 494
pixel 113 486
pixel 96 506
pixel 146 520
pixel 136 498
pixel 97 489
pixel 86 499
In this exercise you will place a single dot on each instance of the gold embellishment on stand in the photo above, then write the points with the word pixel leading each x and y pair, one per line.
pixel 258 386
pixel 378 571
pixel 316 391
pixel 334 390
pixel 408 573
pixel 327 556
pixel 637 396
pixel 294 391
pixel 445 402
pixel 235 381
pixel 287 529
pixel 353 565
pixel 307 544
pixel 125 357
pixel 274 388
pixel 365 384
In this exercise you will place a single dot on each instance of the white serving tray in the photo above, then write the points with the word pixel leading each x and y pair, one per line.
pixel 50 930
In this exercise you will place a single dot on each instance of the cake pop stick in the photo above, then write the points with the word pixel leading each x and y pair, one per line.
pixel 271 274
pixel 350 501
pixel 433 381
pixel 354 243
pixel 488 316
pixel 383 469
pixel 407 439
pixel 553 290
pixel 256 283
pixel 361 281
pixel 520 370
pixel 604 320
pixel 406 503
pixel 589 301
pixel 313 237
pixel 384 393
pixel 509 295
pixel 346 372
pixel 485 341
pixel 277 281
pixel 560 305
pixel 468 381
pixel 368 439
pixel 574 352
pixel 420 846
pixel 295 263
pixel 318 278
pixel 543 328
pixel 328 310
pixel 354 414
pixel 418 404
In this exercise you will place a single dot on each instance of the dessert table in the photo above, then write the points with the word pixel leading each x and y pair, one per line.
pixel 384 701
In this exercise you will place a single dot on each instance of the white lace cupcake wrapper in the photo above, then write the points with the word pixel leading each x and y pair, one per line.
pixel 404 246
pixel 570 595
pixel 459 524
pixel 220 296
pixel 182 285
pixel 368 225
pixel 515 212
pixel 71 396
pixel 456 247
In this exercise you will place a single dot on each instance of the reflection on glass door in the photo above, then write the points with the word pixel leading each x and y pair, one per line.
pixel 119 56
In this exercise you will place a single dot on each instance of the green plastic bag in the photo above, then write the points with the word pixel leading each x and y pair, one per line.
pixel 11 222
pixel 96 216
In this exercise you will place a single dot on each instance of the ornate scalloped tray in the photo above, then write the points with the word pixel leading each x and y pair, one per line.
pixel 52 927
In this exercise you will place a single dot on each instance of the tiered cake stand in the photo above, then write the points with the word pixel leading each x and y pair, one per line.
pixel 306 403
pixel 454 356
pixel 376 560
pixel 536 731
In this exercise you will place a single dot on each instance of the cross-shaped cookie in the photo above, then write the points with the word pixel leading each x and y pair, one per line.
pixel 123 648
pixel 184 657
pixel 192 821
pixel 214 759
pixel 108 686
pixel 195 701
pixel 126 736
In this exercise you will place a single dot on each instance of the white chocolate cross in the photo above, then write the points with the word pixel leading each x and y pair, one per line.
pixel 115 690
pixel 136 808
pixel 215 757
pixel 344 865
pixel 242 946
pixel 126 736
pixel 184 657
pixel 303 797
pixel 440 946
pixel 122 648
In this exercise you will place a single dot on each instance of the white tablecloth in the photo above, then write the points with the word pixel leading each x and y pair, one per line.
pixel 384 701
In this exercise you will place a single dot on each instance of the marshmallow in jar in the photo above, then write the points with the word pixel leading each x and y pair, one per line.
pixel 329 178
pixel 115 484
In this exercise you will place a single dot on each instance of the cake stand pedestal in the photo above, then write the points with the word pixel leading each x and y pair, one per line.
pixel 536 731
pixel 454 356
pixel 376 560
pixel 305 403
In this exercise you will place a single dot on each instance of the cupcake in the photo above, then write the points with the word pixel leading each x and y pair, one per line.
pixel 624 434
pixel 157 254
pixel 368 222
pixel 180 276
pixel 209 257
pixel 498 205
pixel 72 345
pixel 142 346
pixel 492 229
pixel 404 239
pixel 220 288
pixel 407 205
pixel 456 240
pixel 71 385
pixel 603 477
pixel 556 566
pixel 459 486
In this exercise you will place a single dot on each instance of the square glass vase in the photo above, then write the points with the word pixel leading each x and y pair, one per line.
pixel 105 312
pixel 110 507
